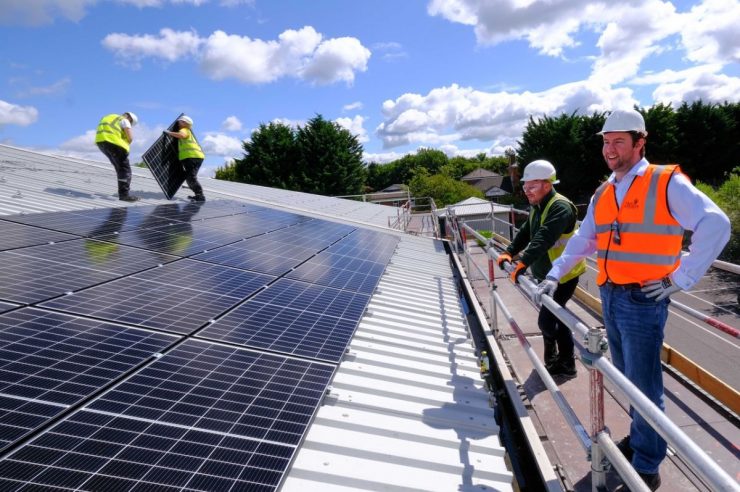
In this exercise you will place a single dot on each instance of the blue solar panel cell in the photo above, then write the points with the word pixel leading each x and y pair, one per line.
pixel 148 304
pixel 50 360
pixel 26 280
pixel 285 330
pixel 6 306
pixel 13 235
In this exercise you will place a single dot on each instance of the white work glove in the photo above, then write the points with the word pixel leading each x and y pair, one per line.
pixel 660 289
pixel 548 287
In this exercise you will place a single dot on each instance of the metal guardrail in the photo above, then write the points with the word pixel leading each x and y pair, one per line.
pixel 601 446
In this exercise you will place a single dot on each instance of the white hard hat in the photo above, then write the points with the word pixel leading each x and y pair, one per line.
pixel 540 169
pixel 134 118
pixel 624 120
pixel 186 119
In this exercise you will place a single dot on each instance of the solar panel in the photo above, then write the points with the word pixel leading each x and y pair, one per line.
pixel 27 280
pixel 208 278
pixel 83 222
pixel 318 233
pixel 294 318
pixel 162 160
pixel 98 255
pixel 340 272
pixel 202 417
pixel 179 243
pixel 49 361
pixel 367 245
pixel 6 306
pixel 140 302
pixel 14 235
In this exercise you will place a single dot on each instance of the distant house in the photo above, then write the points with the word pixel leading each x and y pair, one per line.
pixel 395 194
pixel 491 184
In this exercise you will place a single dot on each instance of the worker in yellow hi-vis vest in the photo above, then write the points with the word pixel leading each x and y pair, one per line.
pixel 190 154
pixel 113 137
pixel 552 221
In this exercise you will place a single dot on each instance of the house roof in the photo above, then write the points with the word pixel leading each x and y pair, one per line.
pixel 473 206
pixel 479 174
pixel 406 408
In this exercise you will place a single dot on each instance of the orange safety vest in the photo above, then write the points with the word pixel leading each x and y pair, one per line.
pixel 640 240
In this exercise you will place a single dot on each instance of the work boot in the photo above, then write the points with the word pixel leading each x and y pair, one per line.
pixel 551 353
pixel 652 480
pixel 564 367
pixel 128 198
pixel 197 198
pixel 625 448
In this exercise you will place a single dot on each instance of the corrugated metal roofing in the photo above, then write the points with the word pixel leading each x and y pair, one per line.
pixel 407 409
pixel 34 182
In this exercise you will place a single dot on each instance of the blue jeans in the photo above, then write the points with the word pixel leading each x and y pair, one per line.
pixel 634 327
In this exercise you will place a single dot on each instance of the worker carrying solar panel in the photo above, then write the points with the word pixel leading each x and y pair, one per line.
pixel 113 137
pixel 190 155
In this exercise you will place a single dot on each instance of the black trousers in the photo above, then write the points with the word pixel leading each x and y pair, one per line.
pixel 118 156
pixel 191 167
pixel 551 327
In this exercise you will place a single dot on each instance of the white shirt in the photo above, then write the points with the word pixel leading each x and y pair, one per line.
pixel 693 210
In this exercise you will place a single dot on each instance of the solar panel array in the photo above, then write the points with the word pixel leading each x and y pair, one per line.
pixel 171 347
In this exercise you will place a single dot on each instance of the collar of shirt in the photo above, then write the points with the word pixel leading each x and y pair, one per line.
pixel 638 169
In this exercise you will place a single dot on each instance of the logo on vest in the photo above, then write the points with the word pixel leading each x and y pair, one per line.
pixel 631 203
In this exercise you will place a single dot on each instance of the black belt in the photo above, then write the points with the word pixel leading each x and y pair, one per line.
pixel 633 285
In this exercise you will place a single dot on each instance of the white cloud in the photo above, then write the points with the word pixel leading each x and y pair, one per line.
pixel 169 45
pixel 357 105
pixel 232 124
pixel 13 114
pixel 337 60
pixel 58 87
pixel 701 83
pixel 450 113
pixel 381 157
pixel 355 127
pixel 710 33
pixel 302 54
pixel 39 12
pixel 223 145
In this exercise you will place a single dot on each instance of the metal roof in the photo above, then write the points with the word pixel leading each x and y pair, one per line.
pixel 34 182
pixel 407 409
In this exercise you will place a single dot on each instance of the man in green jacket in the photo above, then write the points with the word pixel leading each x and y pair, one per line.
pixel 552 220
pixel 113 137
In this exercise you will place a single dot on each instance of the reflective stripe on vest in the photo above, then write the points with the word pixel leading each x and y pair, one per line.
pixel 639 240
pixel 557 249
pixel 110 130
pixel 188 148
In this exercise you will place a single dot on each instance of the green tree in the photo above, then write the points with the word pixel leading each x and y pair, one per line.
pixel 443 189
pixel 708 140
pixel 269 159
pixel 570 142
pixel 727 197
pixel 329 159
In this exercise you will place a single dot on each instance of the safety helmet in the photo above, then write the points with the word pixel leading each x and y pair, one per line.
pixel 186 119
pixel 540 169
pixel 624 120
pixel 134 118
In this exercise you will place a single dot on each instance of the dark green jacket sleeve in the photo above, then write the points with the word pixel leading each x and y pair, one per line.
pixel 520 241
pixel 560 219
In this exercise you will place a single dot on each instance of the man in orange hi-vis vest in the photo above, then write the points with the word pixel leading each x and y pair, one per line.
pixel 635 225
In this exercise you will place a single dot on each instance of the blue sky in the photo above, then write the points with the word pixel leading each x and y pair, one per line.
pixel 463 76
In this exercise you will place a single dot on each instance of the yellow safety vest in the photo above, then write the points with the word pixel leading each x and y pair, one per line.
pixel 188 147
pixel 110 130
pixel 559 246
